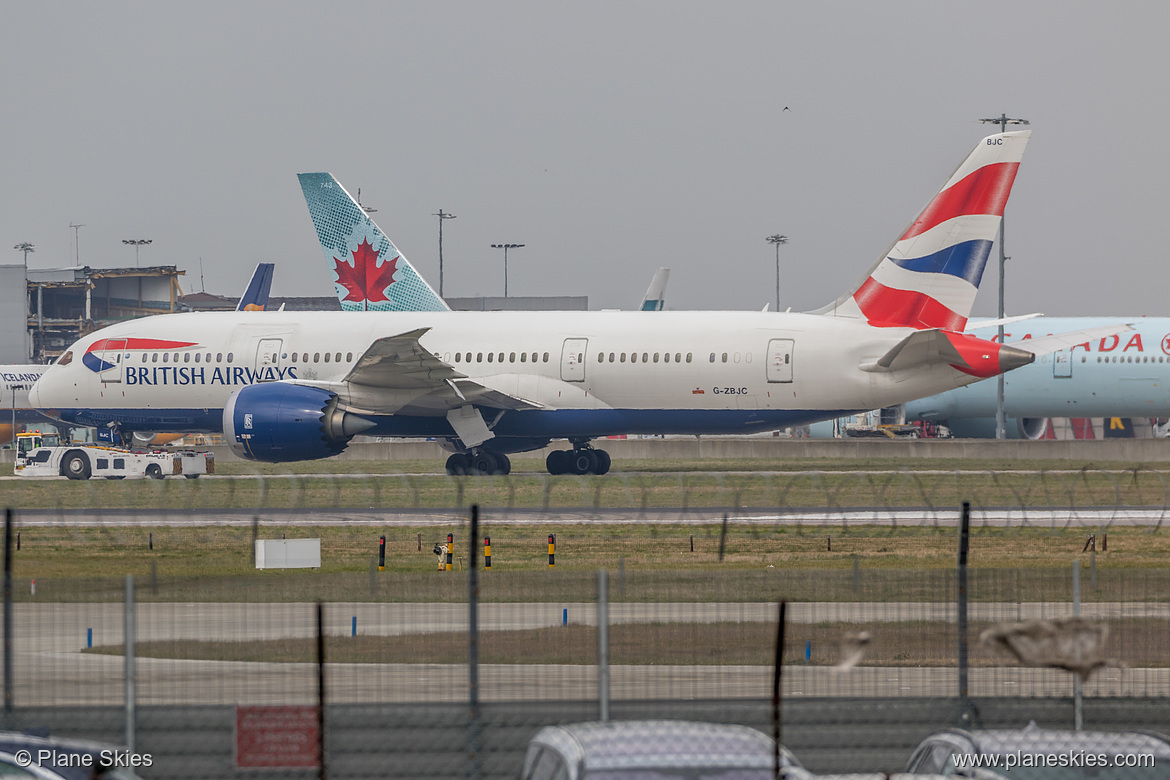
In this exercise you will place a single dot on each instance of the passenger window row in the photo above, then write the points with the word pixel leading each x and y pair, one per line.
pixel 498 357
pixel 646 357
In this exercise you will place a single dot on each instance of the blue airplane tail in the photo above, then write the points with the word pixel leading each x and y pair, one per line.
pixel 255 297
pixel 368 271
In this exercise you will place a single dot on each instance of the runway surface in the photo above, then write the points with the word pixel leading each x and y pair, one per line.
pixel 51 669
pixel 1036 517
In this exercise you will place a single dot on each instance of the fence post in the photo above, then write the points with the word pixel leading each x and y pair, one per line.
pixel 1078 694
pixel 128 657
pixel 964 545
pixel 603 645
pixel 8 703
pixel 776 688
pixel 474 770
pixel 322 773
pixel 723 537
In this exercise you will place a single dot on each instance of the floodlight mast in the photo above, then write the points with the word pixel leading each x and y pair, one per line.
pixel 442 215
pixel 776 239
pixel 505 247
pixel 137 243
pixel 1003 120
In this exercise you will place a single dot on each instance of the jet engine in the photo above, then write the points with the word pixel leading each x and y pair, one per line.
pixel 278 422
pixel 984 427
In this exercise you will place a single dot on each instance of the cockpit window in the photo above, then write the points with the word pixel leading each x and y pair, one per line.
pixel 65 359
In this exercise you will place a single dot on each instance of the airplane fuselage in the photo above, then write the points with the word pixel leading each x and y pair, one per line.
pixel 1127 375
pixel 590 373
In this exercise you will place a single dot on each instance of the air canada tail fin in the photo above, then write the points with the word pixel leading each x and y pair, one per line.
pixel 255 297
pixel 368 271
pixel 929 277
pixel 656 293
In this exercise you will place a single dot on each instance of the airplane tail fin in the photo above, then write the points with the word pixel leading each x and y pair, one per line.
pixel 369 273
pixel 656 293
pixel 255 297
pixel 929 277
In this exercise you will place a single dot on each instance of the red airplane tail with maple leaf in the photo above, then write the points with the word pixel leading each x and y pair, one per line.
pixel 369 273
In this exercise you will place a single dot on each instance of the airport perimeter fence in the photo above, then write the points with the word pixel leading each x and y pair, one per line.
pixel 227 673
pixel 1088 497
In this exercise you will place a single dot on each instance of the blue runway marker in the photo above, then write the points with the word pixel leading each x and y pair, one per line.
pixel 353 629
pixel 89 637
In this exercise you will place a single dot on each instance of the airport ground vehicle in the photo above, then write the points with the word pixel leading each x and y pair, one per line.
pixel 40 456
pixel 1033 753
pixel 660 749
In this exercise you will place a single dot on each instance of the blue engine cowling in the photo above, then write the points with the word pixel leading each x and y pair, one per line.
pixel 277 422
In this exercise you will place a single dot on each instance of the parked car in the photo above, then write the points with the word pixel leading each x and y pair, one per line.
pixel 651 750
pixel 68 759
pixel 1034 753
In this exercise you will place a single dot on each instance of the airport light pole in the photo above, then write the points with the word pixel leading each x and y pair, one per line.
pixel 442 215
pixel 1003 120
pixel 25 247
pixel 505 247
pixel 76 243
pixel 776 240
pixel 137 243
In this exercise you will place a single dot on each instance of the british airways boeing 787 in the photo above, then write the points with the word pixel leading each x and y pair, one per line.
pixel 286 386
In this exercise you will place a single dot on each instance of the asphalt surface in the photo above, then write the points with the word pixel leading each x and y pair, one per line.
pixel 51 669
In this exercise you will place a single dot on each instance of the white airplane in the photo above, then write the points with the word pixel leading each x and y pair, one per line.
pixel 1125 375
pixel 288 386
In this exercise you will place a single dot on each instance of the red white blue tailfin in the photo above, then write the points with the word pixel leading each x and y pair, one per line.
pixel 929 277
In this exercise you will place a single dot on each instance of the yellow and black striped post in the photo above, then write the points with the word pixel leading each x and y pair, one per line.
pixel 450 550
pixel 552 550
pixel 487 552
pixel 382 553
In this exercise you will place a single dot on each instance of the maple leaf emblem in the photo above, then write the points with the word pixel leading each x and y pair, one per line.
pixel 365 280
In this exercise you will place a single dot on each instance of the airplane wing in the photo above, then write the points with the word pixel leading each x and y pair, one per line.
pixel 1073 338
pixel 398 375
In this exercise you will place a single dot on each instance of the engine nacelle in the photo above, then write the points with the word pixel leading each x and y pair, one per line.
pixel 984 427
pixel 277 422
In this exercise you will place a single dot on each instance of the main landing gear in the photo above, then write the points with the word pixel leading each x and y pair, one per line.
pixel 582 459
pixel 481 463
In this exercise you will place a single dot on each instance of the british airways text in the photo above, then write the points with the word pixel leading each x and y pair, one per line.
pixel 191 375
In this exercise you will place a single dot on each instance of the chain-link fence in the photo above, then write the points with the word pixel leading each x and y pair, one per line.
pixel 1022 499
pixel 227 672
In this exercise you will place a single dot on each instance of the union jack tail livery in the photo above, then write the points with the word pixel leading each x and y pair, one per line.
pixel 929 278
pixel 369 273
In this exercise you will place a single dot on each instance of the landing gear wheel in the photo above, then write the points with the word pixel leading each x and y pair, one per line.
pixel 154 471
pixel 603 462
pixel 503 464
pixel 583 461
pixel 484 463
pixel 557 462
pixel 458 465
pixel 75 465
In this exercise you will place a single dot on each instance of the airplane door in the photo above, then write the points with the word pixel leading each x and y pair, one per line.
pixel 573 360
pixel 1062 364
pixel 780 360
pixel 113 355
pixel 268 357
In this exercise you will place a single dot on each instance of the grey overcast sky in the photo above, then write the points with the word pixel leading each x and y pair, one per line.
pixel 609 137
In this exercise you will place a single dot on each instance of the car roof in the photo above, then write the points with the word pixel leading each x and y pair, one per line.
pixel 1033 739
pixel 618 744
pixel 12 741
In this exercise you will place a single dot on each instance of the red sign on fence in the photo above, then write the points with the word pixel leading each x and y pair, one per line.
pixel 277 737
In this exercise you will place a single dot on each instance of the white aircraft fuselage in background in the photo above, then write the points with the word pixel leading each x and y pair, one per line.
pixel 1124 375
